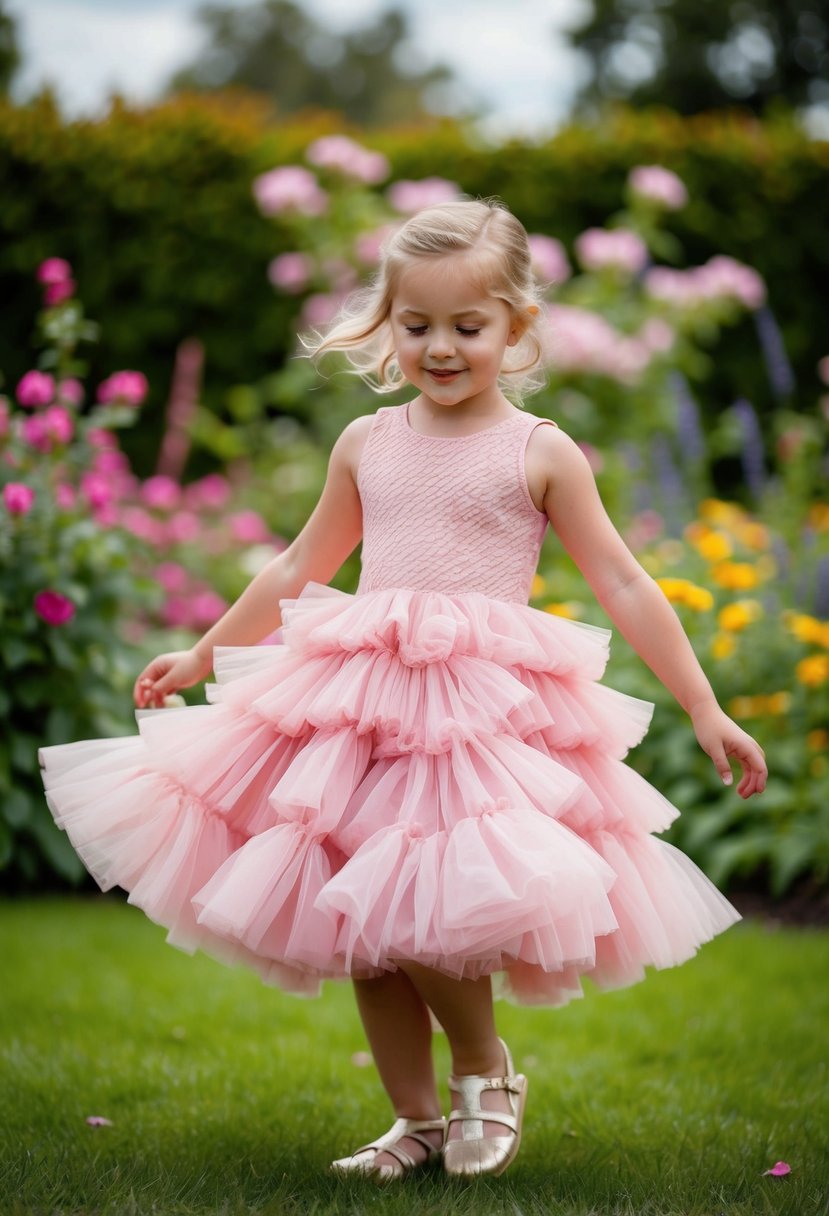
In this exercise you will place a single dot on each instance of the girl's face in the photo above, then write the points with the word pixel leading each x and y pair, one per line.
pixel 450 338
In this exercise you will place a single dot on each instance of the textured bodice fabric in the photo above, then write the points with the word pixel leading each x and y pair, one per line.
pixel 449 515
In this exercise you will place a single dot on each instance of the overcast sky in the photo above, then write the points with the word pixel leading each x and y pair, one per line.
pixel 511 53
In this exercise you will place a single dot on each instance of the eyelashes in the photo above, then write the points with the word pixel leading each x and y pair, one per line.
pixel 417 331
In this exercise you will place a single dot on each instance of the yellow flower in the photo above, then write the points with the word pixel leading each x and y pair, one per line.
pixel 819 517
pixel 813 670
pixel 714 546
pixel 778 702
pixel 807 628
pixel 743 707
pixel 753 535
pixel 539 586
pixel 683 591
pixel 718 512
pixel 723 645
pixel 818 740
pixel 569 609
pixel 735 576
pixel 734 617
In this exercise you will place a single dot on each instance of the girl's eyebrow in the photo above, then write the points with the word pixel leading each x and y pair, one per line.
pixel 467 312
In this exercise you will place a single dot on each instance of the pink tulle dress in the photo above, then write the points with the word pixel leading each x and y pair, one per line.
pixel 426 770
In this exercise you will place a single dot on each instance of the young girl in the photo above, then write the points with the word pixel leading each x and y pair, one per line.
pixel 421 787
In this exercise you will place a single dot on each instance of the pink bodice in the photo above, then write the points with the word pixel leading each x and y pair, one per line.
pixel 449 515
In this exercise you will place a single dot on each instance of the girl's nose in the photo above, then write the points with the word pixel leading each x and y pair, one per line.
pixel 441 346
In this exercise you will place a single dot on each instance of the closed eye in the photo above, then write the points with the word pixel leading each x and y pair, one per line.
pixel 467 333
pixel 416 329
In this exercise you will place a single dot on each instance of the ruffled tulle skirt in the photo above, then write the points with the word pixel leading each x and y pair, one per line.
pixel 408 775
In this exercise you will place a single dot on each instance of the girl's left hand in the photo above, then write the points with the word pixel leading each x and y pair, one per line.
pixel 720 737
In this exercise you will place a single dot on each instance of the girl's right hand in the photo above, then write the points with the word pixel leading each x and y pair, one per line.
pixel 166 674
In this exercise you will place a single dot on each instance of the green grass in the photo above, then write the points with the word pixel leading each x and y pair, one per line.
pixel 666 1099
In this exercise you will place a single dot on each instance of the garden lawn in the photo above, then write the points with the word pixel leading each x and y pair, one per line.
pixel 666 1099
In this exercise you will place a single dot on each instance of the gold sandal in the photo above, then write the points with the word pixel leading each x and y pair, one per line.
pixel 362 1159
pixel 474 1153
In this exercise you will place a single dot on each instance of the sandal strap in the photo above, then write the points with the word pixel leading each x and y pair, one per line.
pixel 400 1128
pixel 476 1118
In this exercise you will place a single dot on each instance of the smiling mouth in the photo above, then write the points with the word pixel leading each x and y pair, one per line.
pixel 443 373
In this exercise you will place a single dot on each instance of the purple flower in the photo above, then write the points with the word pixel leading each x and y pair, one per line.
pixel 18 497
pixel 753 452
pixel 54 270
pixel 54 608
pixel 777 363
pixel 289 188
pixel 123 388
pixel 658 185
pixel 34 389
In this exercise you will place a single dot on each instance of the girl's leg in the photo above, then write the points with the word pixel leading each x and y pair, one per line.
pixel 399 1031
pixel 465 1011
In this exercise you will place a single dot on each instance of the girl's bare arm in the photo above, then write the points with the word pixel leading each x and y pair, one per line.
pixel 332 533
pixel 636 604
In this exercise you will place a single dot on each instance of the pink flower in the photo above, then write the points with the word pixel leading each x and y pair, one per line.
pixel 161 492
pixel 289 188
pixel 368 245
pixel 58 423
pixel 659 185
pixel 594 457
pixel 110 462
pixel 101 438
pixel 249 527
pixel 172 576
pixel 619 248
pixel 341 275
pixel 65 496
pixel 206 608
pixel 291 272
pixel 320 308
pixel 106 516
pixel 54 608
pixel 124 388
pixel 408 197
pixel 343 154
pixel 548 258
pixel 18 497
pixel 183 526
pixel 96 489
pixel 54 270
pixel 211 491
pixel 176 612
pixel 98 1121
pixel 657 335
pixel 35 388
pixel 778 1170
pixel 34 432
pixel 70 391
pixel 5 414
pixel 720 277
pixel 141 524
pixel 56 293
pixel 583 342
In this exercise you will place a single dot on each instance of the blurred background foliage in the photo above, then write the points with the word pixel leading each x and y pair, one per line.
pixel 155 210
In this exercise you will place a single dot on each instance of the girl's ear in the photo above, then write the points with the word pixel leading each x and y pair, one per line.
pixel 520 324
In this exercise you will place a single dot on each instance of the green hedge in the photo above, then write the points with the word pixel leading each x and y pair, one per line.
pixel 154 211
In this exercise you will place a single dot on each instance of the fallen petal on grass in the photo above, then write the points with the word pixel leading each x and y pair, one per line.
pixel 361 1059
pixel 98 1121
pixel 778 1170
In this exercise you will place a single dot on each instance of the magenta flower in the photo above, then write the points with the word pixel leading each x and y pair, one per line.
pixel 18 497
pixel 408 197
pixel 658 185
pixel 96 490
pixel 58 423
pixel 34 389
pixel 616 248
pixel 548 258
pixel 343 154
pixel 54 270
pixel 206 608
pixel 65 496
pixel 778 1170
pixel 289 188
pixel 291 272
pixel 211 491
pixel 249 527
pixel 70 391
pixel 56 293
pixel 172 576
pixel 35 433
pixel 54 608
pixel 176 612
pixel 124 388
pixel 161 492
pixel 98 1121
pixel 99 437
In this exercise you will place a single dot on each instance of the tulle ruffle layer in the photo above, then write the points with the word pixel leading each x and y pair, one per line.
pixel 410 776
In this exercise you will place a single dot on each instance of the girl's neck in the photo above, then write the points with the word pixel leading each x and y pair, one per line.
pixel 432 418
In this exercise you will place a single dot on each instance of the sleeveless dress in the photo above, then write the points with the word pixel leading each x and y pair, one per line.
pixel 426 770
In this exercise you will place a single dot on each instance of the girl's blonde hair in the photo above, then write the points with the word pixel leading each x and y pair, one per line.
pixel 362 330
